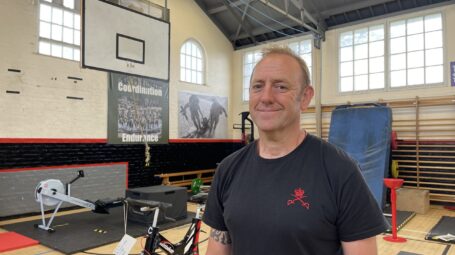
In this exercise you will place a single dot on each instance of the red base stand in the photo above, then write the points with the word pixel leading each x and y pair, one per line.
pixel 393 185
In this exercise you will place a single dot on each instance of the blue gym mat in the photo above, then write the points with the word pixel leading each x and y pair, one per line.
pixel 364 131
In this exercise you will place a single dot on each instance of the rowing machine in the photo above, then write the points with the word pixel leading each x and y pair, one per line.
pixel 52 192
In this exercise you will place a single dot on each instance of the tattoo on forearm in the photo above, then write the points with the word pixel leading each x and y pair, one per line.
pixel 221 236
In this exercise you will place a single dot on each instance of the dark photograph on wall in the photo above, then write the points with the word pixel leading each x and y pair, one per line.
pixel 202 116
pixel 138 110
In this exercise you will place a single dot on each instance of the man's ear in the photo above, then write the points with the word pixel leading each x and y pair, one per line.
pixel 308 94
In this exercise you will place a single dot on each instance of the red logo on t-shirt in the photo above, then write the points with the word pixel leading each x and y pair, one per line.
pixel 298 195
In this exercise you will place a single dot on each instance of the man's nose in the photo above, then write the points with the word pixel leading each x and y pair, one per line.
pixel 267 93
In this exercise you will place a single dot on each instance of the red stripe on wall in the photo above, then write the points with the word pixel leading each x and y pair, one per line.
pixel 52 140
pixel 205 140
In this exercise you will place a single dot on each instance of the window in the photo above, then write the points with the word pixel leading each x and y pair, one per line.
pixel 191 62
pixel 250 59
pixel 361 55
pixel 60 29
pixel 303 49
pixel 414 55
pixel 416 51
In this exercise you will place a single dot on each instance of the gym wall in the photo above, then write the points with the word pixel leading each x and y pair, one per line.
pixel 41 124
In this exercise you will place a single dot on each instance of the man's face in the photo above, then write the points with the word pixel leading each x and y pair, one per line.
pixel 276 97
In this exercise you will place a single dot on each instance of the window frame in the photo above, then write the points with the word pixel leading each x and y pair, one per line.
pixel 387 53
pixel 203 58
pixel 60 5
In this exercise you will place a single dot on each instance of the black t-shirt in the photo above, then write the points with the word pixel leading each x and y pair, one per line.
pixel 306 202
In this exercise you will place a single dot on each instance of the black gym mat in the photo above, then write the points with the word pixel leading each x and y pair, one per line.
pixel 443 231
pixel 86 230
pixel 403 217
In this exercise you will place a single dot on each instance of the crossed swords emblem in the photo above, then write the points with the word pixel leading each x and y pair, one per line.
pixel 298 195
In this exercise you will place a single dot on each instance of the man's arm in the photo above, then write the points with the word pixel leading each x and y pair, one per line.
pixel 219 243
pixel 360 247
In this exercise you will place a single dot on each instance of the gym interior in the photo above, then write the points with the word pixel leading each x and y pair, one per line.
pixel 115 111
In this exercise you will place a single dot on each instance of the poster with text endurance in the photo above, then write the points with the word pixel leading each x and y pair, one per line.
pixel 138 110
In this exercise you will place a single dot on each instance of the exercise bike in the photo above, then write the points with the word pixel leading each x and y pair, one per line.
pixel 52 192
pixel 155 241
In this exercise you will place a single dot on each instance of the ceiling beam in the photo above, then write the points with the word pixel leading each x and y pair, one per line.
pixel 242 22
pixel 353 6
pixel 243 19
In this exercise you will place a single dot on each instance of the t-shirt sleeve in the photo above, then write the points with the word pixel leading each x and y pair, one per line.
pixel 359 215
pixel 213 215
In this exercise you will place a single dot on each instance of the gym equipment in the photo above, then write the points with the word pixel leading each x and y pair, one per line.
pixel 196 186
pixel 177 196
pixel 52 192
pixel 394 184
pixel 443 231
pixel 363 131
pixel 244 135
pixel 155 240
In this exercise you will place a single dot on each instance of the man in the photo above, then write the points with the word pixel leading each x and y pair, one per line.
pixel 289 192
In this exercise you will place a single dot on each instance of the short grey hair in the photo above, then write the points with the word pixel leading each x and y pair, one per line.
pixel 284 50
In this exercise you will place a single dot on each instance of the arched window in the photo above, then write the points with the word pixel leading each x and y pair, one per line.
pixel 192 68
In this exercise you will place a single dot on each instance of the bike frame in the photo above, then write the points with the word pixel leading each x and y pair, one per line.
pixel 187 246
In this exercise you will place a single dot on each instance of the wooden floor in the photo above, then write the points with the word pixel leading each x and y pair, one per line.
pixel 414 231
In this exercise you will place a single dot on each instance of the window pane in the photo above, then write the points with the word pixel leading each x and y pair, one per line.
pixel 44 48
pixel 398 62
pixel 346 39
pixel 361 51
pixel 77 54
pixel 415 59
pixel 305 46
pixel 415 42
pixel 68 35
pixel 68 19
pixel 56 32
pixel 415 76
pixel 182 60
pixel 346 84
pixel 415 25
pixel 199 78
pixel 433 39
pixel 45 29
pixel 188 62
pixel 193 49
pixel 377 49
pixel 307 59
pixel 376 33
pixel 346 54
pixel 188 48
pixel 361 82
pixel 67 52
pixel 199 64
pixel 361 66
pixel 434 74
pixel 257 56
pixel 193 64
pixel 248 69
pixel 397 29
pixel 361 36
pixel 188 75
pixel 433 57
pixel 68 4
pixel 77 37
pixel 246 81
pixel 376 65
pixel 45 13
pixel 193 77
pixel 377 81
pixel 433 22
pixel 57 16
pixel 246 95
pixel 249 58
pixel 77 21
pixel 346 69
pixel 398 45
pixel 182 74
pixel 398 78
pixel 56 50
pixel 198 53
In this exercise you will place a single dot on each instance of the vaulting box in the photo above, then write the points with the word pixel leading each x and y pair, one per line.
pixel 413 200
pixel 177 196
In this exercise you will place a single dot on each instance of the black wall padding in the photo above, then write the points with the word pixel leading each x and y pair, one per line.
pixel 173 157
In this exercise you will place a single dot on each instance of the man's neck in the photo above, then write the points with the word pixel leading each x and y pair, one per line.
pixel 273 145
